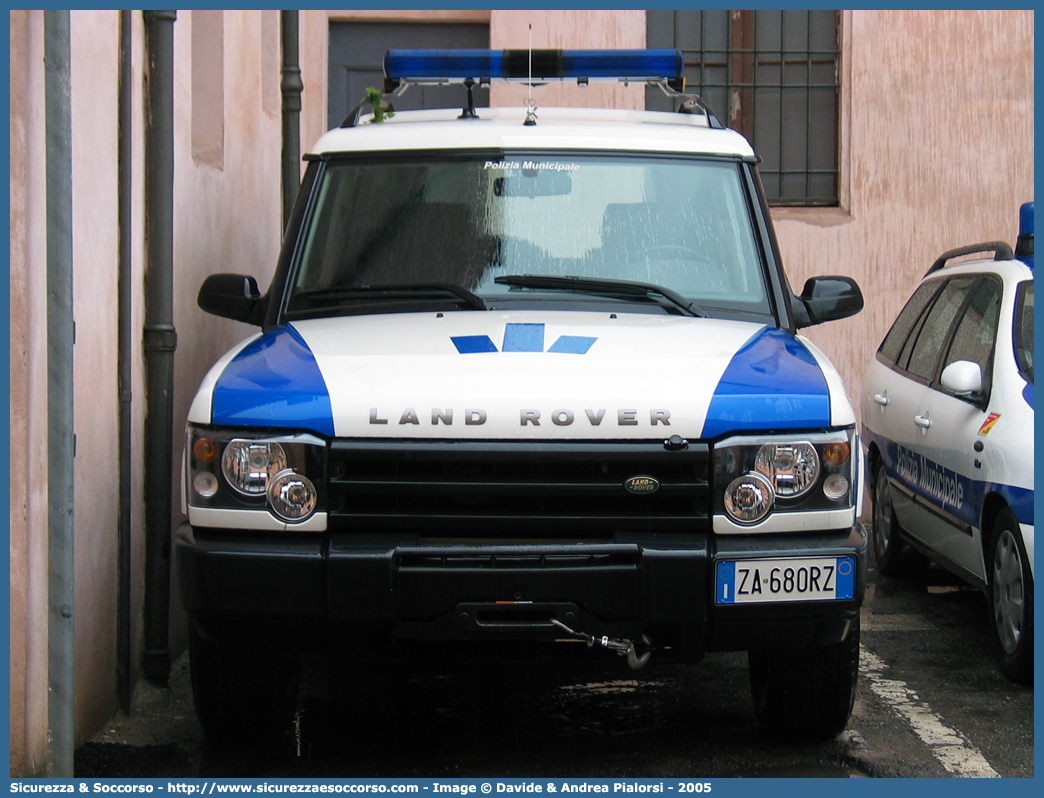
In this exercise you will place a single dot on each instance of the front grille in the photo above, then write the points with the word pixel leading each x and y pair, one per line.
pixel 504 490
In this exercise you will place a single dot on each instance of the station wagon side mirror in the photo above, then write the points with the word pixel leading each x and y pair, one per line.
pixel 962 378
pixel 232 296
pixel 827 299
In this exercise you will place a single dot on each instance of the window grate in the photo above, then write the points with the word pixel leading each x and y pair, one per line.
pixel 774 75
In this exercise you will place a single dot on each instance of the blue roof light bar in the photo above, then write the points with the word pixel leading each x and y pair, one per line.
pixel 485 66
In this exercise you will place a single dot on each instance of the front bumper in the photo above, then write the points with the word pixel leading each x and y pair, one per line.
pixel 343 590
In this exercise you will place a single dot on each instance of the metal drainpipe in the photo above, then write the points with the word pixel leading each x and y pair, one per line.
pixel 61 442
pixel 291 87
pixel 160 340
pixel 125 356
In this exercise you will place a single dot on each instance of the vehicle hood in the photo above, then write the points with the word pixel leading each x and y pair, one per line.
pixel 523 375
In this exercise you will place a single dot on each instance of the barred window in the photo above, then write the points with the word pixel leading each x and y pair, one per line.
pixel 771 75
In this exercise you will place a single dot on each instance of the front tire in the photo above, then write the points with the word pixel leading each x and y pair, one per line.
pixel 805 693
pixel 243 696
pixel 1011 599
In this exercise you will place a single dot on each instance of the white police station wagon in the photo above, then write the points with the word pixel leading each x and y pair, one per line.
pixel 527 381
pixel 947 417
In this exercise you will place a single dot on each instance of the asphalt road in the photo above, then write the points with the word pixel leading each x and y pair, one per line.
pixel 930 703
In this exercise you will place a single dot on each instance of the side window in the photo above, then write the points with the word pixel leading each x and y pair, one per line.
pixel 977 330
pixel 922 350
pixel 906 320
pixel 1024 330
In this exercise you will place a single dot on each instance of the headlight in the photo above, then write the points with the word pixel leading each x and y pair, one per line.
pixel 792 468
pixel 247 465
pixel 230 470
pixel 785 478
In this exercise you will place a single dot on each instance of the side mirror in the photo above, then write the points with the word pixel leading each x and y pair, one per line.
pixel 231 296
pixel 827 299
pixel 962 378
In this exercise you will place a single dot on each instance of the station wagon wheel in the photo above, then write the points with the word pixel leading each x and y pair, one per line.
pixel 1011 599
pixel 888 544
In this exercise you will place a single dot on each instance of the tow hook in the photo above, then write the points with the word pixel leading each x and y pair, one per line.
pixel 625 648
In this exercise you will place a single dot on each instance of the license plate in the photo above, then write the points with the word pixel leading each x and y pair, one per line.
pixel 785 579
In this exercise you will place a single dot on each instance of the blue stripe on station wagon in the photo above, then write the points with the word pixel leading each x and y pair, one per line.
pixel 274 382
pixel 772 383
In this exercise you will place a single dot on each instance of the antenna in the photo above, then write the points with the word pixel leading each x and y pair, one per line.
pixel 530 108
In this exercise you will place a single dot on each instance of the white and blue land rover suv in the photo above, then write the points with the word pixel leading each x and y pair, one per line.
pixel 527 381
pixel 947 416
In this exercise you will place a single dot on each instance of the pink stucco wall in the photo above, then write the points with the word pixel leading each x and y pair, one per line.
pixel 28 591
pixel 227 218
pixel 596 30
pixel 937 152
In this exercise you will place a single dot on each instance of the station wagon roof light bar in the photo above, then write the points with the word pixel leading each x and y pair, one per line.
pixel 1024 245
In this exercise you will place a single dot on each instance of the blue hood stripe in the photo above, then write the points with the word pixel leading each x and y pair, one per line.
pixel 274 382
pixel 772 382
pixel 520 337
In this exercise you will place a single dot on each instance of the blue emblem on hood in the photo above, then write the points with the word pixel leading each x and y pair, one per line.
pixel 274 382
pixel 772 383
pixel 523 338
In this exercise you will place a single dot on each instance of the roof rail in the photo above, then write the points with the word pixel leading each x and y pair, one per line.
pixel 695 104
pixel 1000 250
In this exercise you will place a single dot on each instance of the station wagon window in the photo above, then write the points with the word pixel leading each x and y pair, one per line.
pixel 905 321
pixel 977 330
pixel 922 350
pixel 1024 330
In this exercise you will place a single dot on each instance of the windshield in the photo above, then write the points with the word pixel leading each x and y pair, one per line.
pixel 419 223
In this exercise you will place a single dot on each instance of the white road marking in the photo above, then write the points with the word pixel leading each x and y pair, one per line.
pixel 950 747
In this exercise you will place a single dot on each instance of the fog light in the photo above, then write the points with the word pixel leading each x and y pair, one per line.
pixel 835 487
pixel 291 496
pixel 749 498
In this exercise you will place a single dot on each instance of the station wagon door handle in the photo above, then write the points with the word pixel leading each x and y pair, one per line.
pixel 881 399
pixel 923 421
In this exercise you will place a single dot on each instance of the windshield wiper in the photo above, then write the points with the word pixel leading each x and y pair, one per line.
pixel 601 285
pixel 469 299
